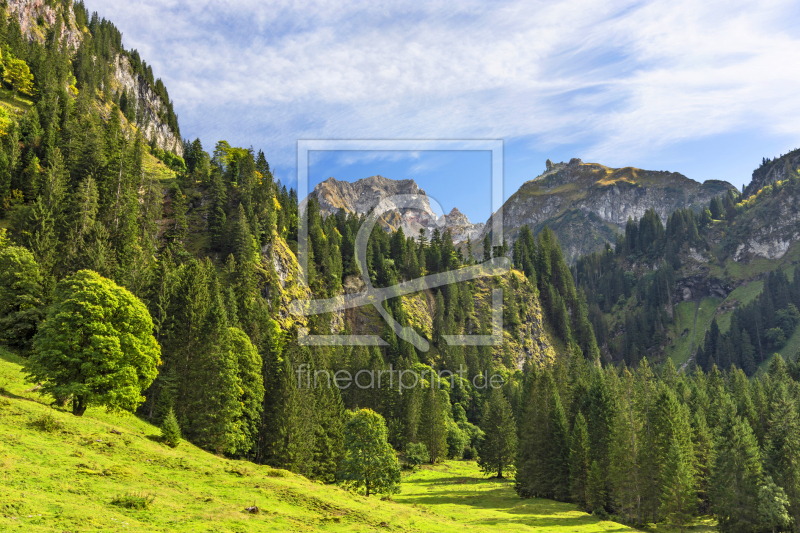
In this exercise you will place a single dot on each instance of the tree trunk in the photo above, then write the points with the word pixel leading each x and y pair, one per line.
pixel 78 405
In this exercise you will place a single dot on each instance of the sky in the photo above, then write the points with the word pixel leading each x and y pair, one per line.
pixel 702 88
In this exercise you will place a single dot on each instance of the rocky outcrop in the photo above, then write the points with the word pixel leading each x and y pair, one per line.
pixel 363 195
pixel 769 229
pixel 459 225
pixel 35 16
pixel 772 171
pixel 586 204
pixel 151 125
pixel 700 285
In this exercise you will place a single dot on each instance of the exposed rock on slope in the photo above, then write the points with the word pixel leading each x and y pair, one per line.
pixel 30 12
pixel 37 16
pixel 587 203
pixel 362 195
pixel 769 172
pixel 769 228
pixel 460 226
pixel 152 126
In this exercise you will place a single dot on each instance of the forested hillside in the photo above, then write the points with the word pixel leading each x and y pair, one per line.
pixel 145 274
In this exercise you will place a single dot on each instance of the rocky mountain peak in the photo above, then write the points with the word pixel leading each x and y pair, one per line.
pixel 363 195
pixel 587 204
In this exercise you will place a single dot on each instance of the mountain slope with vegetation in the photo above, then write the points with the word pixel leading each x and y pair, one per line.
pixel 587 204
pixel 156 279
pixel 107 472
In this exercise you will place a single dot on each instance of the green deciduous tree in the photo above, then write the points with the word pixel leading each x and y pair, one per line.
pixel 96 346
pixel 370 463
pixel 772 505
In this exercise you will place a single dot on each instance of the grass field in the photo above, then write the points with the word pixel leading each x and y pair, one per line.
pixel 678 350
pixel 456 491
pixel 63 473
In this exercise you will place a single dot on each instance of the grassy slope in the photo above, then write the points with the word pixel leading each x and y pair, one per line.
pixel 64 480
pixel 679 350
pixel 456 491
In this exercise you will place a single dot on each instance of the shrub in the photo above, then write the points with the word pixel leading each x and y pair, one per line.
pixel 416 454
pixel 47 422
pixel 170 430
pixel 134 501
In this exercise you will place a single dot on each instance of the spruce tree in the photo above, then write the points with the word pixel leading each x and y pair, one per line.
pixel 736 475
pixel 579 461
pixel 595 490
pixel 678 491
pixel 499 448
pixel 625 470
pixel 170 430
pixel 782 450
pixel 558 452
pixel 433 420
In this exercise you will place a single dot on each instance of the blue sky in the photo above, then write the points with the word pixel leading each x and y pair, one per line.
pixel 702 88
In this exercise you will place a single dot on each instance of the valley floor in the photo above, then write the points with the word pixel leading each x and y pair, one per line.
pixel 61 473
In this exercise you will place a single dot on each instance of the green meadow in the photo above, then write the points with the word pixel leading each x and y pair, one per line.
pixel 106 472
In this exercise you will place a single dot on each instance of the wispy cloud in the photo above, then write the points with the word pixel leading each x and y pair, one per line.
pixel 624 77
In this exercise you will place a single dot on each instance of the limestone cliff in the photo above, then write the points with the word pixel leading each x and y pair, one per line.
pixel 363 195
pixel 151 124
pixel 586 204
pixel 772 170
pixel 37 17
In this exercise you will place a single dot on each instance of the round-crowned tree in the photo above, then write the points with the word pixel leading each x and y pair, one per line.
pixel 370 463
pixel 95 346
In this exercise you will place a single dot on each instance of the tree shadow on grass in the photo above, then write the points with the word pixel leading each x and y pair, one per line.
pixel 534 513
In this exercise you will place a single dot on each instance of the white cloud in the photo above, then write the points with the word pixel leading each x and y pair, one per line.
pixel 625 77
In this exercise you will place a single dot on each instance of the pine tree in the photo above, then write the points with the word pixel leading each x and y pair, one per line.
pixel 600 422
pixel 736 475
pixel 579 461
pixel 499 448
pixel 433 420
pixel 170 430
pixel 782 450
pixel 558 453
pixel 595 490
pixel 625 470
pixel 678 492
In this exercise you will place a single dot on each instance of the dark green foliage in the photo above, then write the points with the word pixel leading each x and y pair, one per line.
pixel 579 462
pixel 21 296
pixel 736 475
pixel 170 430
pixel 96 345
pixel 595 490
pixel 499 447
pixel 416 454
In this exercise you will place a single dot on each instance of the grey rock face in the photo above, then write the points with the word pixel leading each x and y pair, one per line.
pixel 152 125
pixel 775 170
pixel 586 204
pixel 28 12
pixel 363 195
